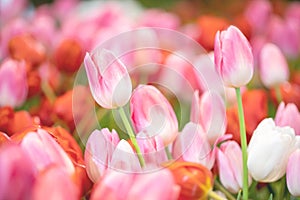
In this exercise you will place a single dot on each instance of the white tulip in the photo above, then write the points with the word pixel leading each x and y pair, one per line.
pixel 269 150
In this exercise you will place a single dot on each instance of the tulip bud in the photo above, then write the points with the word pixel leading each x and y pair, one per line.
pixel 13 83
pixel 195 180
pixel 269 150
pixel 288 115
pixel 108 78
pixel 293 173
pixel 209 112
pixel 152 114
pixel 233 57
pixel 273 66
pixel 229 158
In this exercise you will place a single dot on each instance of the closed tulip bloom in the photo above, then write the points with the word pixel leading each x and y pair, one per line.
pixel 105 150
pixel 229 159
pixel 293 173
pixel 108 78
pixel 209 111
pixel 233 57
pixel 152 114
pixel 13 83
pixel 44 151
pixel 120 186
pixel 269 150
pixel 273 66
pixel 288 115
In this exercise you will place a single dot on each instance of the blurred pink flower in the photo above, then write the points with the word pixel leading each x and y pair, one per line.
pixel 159 18
pixel 44 151
pixel 120 186
pixel 258 13
pixel 13 83
pixel 293 173
pixel 16 172
pixel 65 188
pixel 273 67
pixel 209 111
pixel 105 150
pixel 288 115
pixel 152 114
pixel 12 8
pixel 229 159
pixel 233 57
pixel 108 78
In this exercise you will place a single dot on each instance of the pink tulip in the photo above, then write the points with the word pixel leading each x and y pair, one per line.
pixel 13 83
pixel 44 151
pixel 273 66
pixel 105 150
pixel 258 14
pixel 229 158
pixel 233 57
pixel 119 186
pixel 65 188
pixel 192 145
pixel 293 173
pixel 109 80
pixel 209 111
pixel 288 115
pixel 11 8
pixel 152 114
pixel 16 172
pixel 153 150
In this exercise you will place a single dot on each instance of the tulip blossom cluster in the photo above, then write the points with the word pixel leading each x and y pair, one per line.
pixel 110 100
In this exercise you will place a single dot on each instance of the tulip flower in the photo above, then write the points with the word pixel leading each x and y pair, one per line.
pixel 273 66
pixel 269 150
pixel 44 151
pixel 293 173
pixel 13 83
pixel 233 57
pixel 229 158
pixel 288 115
pixel 192 145
pixel 209 112
pixel 62 189
pixel 108 78
pixel 152 114
pixel 16 172
pixel 120 186
pixel 105 150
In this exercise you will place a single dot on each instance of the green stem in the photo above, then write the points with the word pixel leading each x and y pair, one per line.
pixel 215 196
pixel 46 88
pixel 243 143
pixel 131 135
pixel 278 93
pixel 169 155
pixel 222 189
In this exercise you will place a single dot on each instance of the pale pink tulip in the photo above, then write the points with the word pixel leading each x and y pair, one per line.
pixel 56 178
pixel 16 172
pixel 269 150
pixel 44 151
pixel 11 8
pixel 258 13
pixel 192 145
pixel 105 150
pixel 118 186
pixel 153 150
pixel 108 78
pixel 273 66
pixel 209 111
pixel 288 115
pixel 229 159
pixel 152 114
pixel 293 173
pixel 13 83
pixel 233 57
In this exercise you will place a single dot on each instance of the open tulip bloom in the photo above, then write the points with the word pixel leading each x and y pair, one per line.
pixel 91 108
